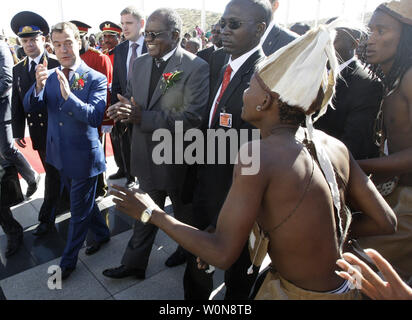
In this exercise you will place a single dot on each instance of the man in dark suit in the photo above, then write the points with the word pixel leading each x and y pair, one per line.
pixel 159 106
pixel 23 79
pixel 205 54
pixel 11 227
pixel 275 36
pixel 75 97
pixel 356 103
pixel 124 55
pixel 241 40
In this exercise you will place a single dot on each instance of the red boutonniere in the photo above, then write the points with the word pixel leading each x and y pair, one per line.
pixel 169 80
pixel 79 81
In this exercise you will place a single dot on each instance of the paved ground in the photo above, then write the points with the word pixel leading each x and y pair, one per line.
pixel 25 275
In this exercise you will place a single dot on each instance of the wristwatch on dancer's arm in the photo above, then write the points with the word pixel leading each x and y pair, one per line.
pixel 146 215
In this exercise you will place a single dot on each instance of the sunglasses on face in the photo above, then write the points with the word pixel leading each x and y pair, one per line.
pixel 232 24
pixel 153 35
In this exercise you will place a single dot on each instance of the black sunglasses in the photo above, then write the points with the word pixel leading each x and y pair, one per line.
pixel 232 24
pixel 153 35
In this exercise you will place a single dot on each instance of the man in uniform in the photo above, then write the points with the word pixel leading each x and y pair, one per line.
pixel 31 30
pixel 111 34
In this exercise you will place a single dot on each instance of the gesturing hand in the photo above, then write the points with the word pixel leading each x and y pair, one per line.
pixel 41 76
pixel 121 110
pixel 125 111
pixel 64 84
pixel 370 283
pixel 133 203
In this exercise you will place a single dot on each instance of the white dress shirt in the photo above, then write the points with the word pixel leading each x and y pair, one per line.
pixel 235 65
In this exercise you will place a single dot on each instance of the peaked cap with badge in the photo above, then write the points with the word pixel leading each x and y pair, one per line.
pixel 28 24
pixel 109 27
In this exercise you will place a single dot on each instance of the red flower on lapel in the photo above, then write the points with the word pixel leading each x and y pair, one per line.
pixel 79 81
pixel 169 79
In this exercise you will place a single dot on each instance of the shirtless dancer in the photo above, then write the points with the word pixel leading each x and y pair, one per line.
pixel 389 50
pixel 290 197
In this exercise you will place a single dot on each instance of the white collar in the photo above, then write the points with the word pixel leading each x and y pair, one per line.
pixel 37 59
pixel 347 63
pixel 169 54
pixel 237 63
pixel 139 42
pixel 75 66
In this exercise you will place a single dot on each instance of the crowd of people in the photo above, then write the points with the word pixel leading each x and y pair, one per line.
pixel 333 107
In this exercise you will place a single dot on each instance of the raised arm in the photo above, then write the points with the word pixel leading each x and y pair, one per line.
pixel 235 223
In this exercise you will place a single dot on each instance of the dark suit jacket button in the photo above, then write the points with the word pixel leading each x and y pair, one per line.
pixel 70 113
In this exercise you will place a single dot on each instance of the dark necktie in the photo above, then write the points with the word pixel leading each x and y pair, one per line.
pixel 33 70
pixel 132 59
pixel 159 62
pixel 66 72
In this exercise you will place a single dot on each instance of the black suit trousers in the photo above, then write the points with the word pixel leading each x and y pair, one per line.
pixel 140 244
pixel 121 141
pixel 8 223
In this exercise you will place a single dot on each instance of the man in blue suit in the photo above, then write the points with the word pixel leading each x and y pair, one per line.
pixel 75 96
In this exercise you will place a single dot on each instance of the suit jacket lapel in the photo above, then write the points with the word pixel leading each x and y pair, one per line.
pixel 174 62
pixel 235 82
pixel 124 49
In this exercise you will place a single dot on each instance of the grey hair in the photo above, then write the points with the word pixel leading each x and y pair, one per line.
pixel 171 18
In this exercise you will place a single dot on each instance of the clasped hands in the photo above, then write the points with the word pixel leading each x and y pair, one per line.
pixel 42 75
pixel 125 111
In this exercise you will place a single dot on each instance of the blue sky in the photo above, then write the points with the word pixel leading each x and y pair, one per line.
pixel 94 12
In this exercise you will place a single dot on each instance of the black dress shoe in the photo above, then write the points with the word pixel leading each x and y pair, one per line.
pixel 176 259
pixel 123 272
pixel 32 187
pixel 14 242
pixel 42 229
pixel 95 247
pixel 66 272
pixel 117 175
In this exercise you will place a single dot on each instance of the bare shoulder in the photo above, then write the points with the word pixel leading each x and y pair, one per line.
pixel 337 151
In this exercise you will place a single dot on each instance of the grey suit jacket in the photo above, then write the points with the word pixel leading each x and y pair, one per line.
pixel 185 101
pixel 6 81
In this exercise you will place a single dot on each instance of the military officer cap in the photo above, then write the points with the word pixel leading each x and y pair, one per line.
pixel 83 28
pixel 109 27
pixel 28 24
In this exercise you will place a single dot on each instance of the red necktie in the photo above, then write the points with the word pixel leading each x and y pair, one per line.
pixel 66 72
pixel 225 83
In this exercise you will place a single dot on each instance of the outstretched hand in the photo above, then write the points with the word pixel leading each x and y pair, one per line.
pixel 369 282
pixel 132 203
